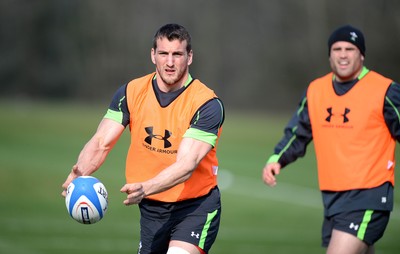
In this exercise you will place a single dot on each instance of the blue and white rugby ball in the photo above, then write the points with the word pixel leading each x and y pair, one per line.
pixel 86 199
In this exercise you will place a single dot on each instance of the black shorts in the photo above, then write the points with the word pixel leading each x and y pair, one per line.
pixel 195 221
pixel 366 225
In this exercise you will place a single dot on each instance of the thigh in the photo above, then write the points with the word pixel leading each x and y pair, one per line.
pixel 343 242
pixel 199 230
pixel 367 226
pixel 192 221
pixel 154 236
pixel 200 226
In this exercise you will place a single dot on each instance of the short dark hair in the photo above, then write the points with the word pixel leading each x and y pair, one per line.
pixel 173 32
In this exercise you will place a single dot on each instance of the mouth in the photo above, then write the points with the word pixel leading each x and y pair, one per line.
pixel 169 71
pixel 343 64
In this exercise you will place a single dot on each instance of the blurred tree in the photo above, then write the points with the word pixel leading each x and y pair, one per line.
pixel 257 55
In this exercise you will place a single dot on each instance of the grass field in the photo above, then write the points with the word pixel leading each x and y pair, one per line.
pixel 40 142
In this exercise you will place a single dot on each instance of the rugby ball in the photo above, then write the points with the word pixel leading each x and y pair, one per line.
pixel 86 199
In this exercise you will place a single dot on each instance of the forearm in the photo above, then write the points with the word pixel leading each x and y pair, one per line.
pixel 298 134
pixel 97 148
pixel 190 153
pixel 173 175
pixel 92 156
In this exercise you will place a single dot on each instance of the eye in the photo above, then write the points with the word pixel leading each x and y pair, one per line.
pixel 178 54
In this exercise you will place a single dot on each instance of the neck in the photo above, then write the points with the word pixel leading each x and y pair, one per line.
pixel 167 88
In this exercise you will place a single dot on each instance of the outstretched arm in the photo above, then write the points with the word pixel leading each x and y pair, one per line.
pixel 95 151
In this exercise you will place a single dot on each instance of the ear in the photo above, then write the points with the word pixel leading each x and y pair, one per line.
pixel 152 55
pixel 190 57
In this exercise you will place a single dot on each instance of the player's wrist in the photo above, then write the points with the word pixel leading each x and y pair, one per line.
pixel 273 159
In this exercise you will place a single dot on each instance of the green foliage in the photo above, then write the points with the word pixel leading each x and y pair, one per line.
pixel 40 142
pixel 254 54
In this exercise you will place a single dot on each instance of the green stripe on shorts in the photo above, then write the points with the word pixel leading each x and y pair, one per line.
pixel 364 224
pixel 204 233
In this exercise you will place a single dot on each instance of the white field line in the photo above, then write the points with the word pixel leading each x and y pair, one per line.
pixel 282 192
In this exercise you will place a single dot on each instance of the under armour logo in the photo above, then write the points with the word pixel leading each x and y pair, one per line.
pixel 354 226
pixel 140 247
pixel 353 36
pixel 344 115
pixel 149 138
pixel 195 235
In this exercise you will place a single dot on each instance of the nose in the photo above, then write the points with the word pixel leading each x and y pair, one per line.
pixel 170 60
pixel 343 53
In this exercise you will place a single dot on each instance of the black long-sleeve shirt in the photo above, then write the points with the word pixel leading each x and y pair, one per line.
pixel 298 134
